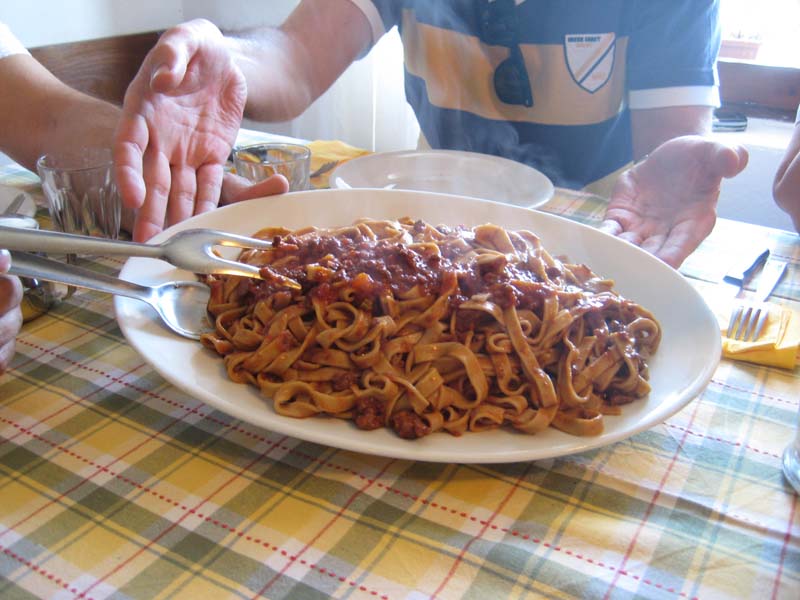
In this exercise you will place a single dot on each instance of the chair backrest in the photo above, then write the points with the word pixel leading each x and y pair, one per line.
pixel 102 67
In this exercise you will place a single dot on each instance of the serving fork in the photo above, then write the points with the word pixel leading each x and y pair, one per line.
pixel 748 318
pixel 191 249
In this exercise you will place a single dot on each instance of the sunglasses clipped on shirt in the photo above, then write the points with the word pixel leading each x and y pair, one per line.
pixel 498 27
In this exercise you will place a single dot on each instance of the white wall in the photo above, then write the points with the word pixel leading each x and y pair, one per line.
pixel 56 21
pixel 239 14
pixel 366 107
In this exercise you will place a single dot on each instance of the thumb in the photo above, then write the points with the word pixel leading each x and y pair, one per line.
pixel 169 61
pixel 728 161
pixel 238 189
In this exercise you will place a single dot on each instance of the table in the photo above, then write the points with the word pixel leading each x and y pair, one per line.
pixel 114 484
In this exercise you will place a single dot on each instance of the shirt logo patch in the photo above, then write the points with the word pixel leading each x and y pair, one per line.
pixel 590 58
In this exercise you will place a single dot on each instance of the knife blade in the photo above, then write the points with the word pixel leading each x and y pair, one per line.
pixel 744 268
pixel 767 282
pixel 770 278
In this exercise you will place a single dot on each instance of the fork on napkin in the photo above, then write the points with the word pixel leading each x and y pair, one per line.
pixel 779 342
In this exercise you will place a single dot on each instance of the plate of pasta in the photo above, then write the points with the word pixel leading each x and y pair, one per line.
pixel 427 326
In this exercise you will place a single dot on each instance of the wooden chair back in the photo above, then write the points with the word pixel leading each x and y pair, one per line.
pixel 102 67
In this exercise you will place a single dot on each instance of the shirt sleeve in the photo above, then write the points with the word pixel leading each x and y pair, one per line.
pixel 9 44
pixel 672 53
pixel 375 17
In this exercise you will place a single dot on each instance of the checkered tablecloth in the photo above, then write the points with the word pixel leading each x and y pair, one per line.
pixel 115 484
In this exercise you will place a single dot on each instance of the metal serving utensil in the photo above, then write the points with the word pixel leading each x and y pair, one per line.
pixel 182 305
pixel 192 249
pixel 15 205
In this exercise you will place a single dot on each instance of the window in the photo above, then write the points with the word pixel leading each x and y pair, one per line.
pixel 759 64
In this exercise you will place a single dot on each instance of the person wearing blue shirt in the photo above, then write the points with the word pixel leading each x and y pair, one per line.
pixel 566 80
pixel 577 88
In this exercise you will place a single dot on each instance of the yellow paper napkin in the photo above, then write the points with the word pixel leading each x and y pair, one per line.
pixel 327 151
pixel 778 345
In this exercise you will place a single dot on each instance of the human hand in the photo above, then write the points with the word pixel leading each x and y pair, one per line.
pixel 10 313
pixel 667 203
pixel 238 189
pixel 179 122
pixel 786 186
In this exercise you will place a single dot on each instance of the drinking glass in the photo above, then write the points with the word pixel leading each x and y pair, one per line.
pixel 81 192
pixel 791 459
pixel 256 162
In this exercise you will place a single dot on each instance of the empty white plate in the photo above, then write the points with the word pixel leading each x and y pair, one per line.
pixel 447 171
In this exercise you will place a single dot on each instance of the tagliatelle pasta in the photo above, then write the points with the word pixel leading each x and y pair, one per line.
pixel 419 328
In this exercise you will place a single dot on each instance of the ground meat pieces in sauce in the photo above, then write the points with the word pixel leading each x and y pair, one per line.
pixel 344 381
pixel 370 413
pixel 409 425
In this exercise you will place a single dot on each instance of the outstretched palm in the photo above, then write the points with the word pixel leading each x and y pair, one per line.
pixel 179 121
pixel 667 204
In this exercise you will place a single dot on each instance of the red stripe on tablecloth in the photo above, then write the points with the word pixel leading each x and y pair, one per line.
pixel 786 539
pixel 73 404
pixel 51 577
pixel 186 513
pixel 650 506
pixel 757 394
pixel 483 529
pixel 207 518
pixel 721 440
pixel 117 459
pixel 270 546
pixel 292 559
pixel 65 344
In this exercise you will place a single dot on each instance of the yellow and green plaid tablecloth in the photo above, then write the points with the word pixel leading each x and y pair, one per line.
pixel 115 484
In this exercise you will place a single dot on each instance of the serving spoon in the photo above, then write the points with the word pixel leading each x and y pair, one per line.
pixel 182 305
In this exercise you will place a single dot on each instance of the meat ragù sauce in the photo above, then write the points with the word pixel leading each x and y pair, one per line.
pixel 322 264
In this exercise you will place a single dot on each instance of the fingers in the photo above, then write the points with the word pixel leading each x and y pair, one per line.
pixel 654 243
pixel 634 237
pixel 610 227
pixel 130 141
pixel 7 348
pixel 150 219
pixel 10 316
pixel 5 261
pixel 181 194
pixel 683 239
pixel 209 186
pixel 238 189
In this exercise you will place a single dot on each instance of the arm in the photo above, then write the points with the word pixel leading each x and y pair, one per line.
pixel 786 187
pixel 652 127
pixel 184 108
pixel 39 113
pixel 286 69
pixel 667 201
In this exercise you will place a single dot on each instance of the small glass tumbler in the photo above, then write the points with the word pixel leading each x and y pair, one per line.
pixel 81 192
pixel 256 162
pixel 791 459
